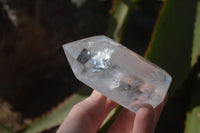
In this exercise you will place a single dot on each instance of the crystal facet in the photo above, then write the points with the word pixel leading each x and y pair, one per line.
pixel 117 72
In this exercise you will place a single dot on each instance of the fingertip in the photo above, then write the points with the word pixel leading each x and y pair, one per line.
pixel 147 110
pixel 96 94
pixel 144 119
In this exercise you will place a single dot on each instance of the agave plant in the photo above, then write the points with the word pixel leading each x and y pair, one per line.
pixel 174 45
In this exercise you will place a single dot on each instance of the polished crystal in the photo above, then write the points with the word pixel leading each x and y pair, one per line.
pixel 117 72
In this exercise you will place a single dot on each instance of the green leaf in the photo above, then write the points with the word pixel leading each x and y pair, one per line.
pixel 172 40
pixel 110 121
pixel 4 129
pixel 171 48
pixel 109 116
pixel 119 17
pixel 193 116
pixel 193 121
pixel 196 42
pixel 55 117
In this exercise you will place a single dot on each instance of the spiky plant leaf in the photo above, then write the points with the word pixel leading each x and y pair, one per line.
pixel 193 116
pixel 172 40
pixel 57 115
pixel 171 48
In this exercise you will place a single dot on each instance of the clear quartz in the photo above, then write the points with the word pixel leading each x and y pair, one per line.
pixel 117 72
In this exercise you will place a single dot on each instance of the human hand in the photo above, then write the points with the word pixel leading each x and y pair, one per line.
pixel 88 115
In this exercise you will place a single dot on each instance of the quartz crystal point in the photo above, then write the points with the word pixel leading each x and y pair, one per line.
pixel 117 72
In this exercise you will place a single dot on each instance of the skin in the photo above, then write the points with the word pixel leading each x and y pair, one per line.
pixel 88 115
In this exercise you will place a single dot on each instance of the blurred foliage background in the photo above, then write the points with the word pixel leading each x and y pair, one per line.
pixel 35 76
